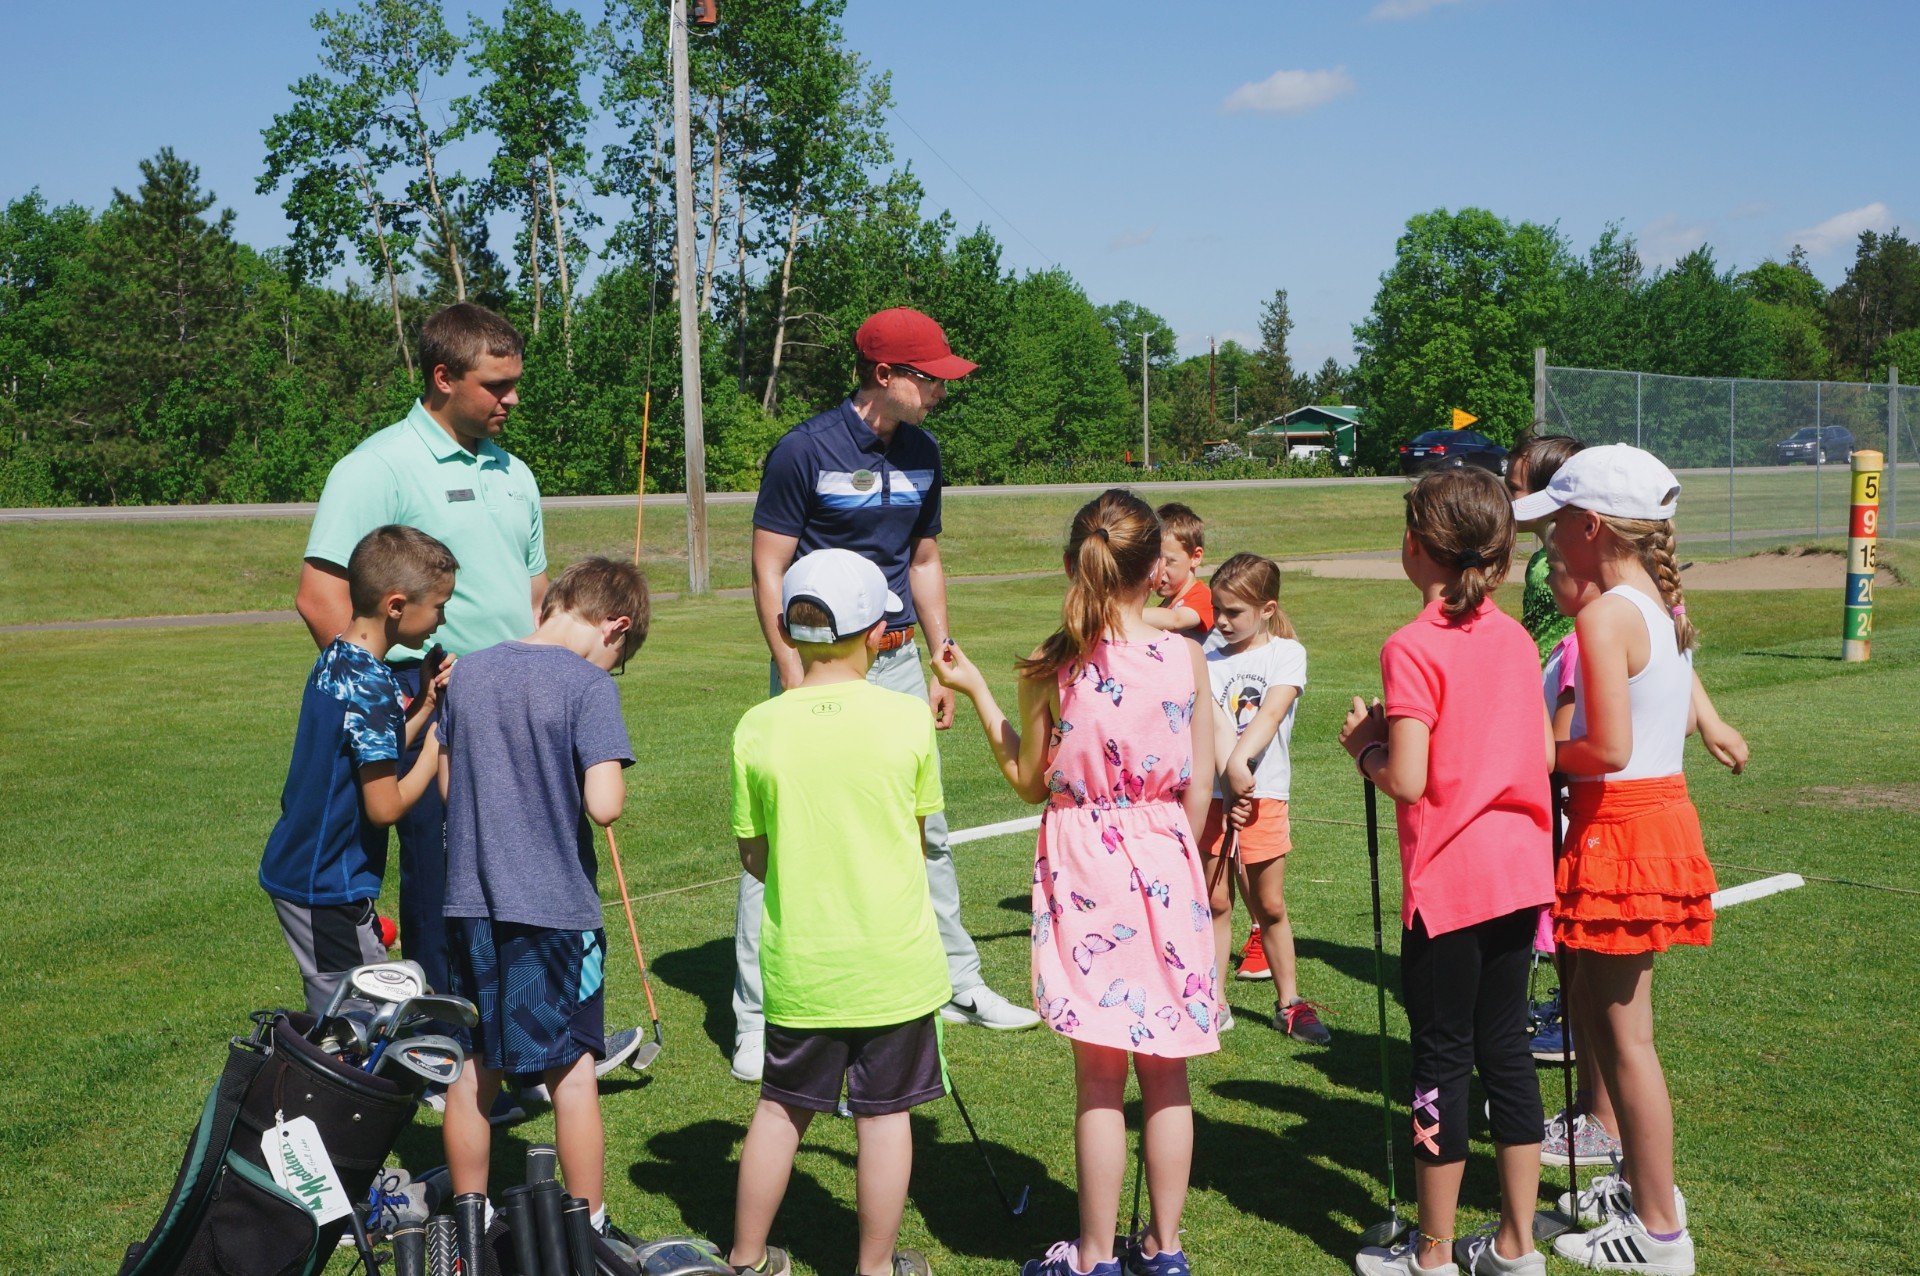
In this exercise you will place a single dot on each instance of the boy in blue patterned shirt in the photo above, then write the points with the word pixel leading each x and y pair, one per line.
pixel 326 855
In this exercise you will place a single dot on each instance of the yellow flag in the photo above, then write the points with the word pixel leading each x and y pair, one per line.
pixel 1461 420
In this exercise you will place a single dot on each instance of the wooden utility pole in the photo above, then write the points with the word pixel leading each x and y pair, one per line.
pixel 686 276
pixel 1213 393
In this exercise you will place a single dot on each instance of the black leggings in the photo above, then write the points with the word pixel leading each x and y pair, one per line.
pixel 1466 996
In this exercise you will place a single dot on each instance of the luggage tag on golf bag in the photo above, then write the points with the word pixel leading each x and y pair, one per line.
pixel 298 1159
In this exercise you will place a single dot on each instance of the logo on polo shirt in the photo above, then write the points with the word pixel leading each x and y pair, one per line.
pixel 826 708
pixel 863 480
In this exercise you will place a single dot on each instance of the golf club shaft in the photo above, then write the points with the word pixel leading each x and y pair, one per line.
pixel 1380 984
pixel 982 1149
pixel 626 902
pixel 1555 809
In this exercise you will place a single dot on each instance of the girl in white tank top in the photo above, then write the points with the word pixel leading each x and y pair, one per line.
pixel 1634 878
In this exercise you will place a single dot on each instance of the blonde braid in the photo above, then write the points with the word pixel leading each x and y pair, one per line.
pixel 1656 552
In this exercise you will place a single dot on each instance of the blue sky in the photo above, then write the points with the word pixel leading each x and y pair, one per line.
pixel 1189 156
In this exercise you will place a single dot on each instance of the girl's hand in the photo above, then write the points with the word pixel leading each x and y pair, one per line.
pixel 1365 724
pixel 1239 813
pixel 1728 747
pixel 957 673
pixel 1239 782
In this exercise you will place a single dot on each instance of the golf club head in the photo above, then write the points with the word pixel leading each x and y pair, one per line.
pixel 1387 1233
pixel 643 1058
pixel 352 1031
pixel 387 981
pixel 436 1058
pixel 436 1006
pixel 1547 1224
pixel 1019 1205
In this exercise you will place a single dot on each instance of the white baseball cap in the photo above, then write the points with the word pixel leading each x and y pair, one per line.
pixel 1616 479
pixel 849 588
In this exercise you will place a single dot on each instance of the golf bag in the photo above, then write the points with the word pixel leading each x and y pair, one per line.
pixel 226 1216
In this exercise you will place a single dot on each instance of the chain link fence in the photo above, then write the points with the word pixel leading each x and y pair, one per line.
pixel 1752 465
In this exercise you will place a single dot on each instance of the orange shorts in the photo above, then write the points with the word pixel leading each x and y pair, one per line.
pixel 1267 836
pixel 1634 877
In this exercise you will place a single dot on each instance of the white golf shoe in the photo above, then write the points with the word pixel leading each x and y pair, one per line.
pixel 985 1008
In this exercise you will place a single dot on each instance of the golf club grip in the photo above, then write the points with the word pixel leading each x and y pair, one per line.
pixel 470 1220
pixel 517 1204
pixel 551 1228
pixel 542 1159
pixel 410 1250
pixel 578 1218
pixel 633 931
pixel 443 1247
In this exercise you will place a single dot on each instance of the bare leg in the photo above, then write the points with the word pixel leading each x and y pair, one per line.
pixel 1438 1187
pixel 1519 1165
pixel 1585 1026
pixel 468 1137
pixel 1621 989
pixel 1267 901
pixel 766 1163
pixel 1168 1108
pixel 577 1133
pixel 885 1165
pixel 1100 1145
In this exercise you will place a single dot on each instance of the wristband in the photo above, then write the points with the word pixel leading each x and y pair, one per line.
pixel 1361 761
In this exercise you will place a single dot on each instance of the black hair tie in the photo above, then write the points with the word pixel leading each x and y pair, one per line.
pixel 1469 558
pixel 1101 532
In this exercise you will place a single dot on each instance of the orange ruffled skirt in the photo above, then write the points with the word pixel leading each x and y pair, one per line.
pixel 1634 877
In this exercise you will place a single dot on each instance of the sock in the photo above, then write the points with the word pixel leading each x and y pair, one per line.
pixel 1668 1238
pixel 599 1218
pixel 1582 1100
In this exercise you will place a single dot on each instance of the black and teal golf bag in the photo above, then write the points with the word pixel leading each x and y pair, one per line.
pixel 226 1216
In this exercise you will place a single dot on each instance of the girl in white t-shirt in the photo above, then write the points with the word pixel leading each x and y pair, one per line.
pixel 1257 670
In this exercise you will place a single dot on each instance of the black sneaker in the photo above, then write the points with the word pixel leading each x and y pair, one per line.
pixel 773 1263
pixel 911 1262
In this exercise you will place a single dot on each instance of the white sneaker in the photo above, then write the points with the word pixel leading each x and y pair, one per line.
pixel 749 1056
pixel 1608 1194
pixel 985 1008
pixel 1225 1022
pixel 1398 1260
pixel 1622 1244
pixel 1477 1254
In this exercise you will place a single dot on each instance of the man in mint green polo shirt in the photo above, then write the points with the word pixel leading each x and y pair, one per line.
pixel 439 470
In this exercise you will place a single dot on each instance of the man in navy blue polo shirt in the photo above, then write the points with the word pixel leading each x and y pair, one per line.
pixel 864 476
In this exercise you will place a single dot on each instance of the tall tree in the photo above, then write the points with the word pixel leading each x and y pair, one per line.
pixel 533 66
pixel 1879 297
pixel 1271 389
pixel 1601 324
pixel 1697 323
pixel 1789 315
pixel 1126 323
pixel 1454 324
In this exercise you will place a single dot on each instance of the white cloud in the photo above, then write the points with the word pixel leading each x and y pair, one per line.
pixel 1667 239
pixel 1394 10
pixel 1842 229
pixel 1132 238
pixel 1288 92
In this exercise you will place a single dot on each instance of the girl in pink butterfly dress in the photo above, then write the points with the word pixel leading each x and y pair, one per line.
pixel 1123 956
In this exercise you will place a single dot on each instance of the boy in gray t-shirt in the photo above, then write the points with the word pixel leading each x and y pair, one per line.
pixel 533 749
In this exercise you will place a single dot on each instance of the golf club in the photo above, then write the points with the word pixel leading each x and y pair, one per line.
pixel 1548 1224
pixel 382 982
pixel 1393 1227
pixel 437 1058
pixel 351 1032
pixel 642 1058
pixel 389 1022
pixel 1014 1207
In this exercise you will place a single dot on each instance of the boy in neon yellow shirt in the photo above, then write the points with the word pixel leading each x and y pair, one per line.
pixel 832 781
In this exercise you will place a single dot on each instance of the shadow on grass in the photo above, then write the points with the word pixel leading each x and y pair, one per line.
pixel 706 972
pixel 1022 904
pixel 1355 961
pixel 957 1201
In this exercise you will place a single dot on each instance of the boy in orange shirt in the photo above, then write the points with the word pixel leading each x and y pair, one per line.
pixel 1186 604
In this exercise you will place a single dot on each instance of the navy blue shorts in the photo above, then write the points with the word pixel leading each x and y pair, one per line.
pixel 540 992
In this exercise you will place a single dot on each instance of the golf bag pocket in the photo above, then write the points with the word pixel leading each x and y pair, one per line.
pixel 255 1227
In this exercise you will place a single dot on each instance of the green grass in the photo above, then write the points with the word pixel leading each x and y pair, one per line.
pixel 82 571
pixel 141 774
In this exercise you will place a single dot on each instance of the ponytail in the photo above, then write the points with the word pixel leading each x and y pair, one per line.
pixel 1463 519
pixel 1112 545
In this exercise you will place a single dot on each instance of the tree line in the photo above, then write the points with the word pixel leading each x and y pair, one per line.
pixel 146 355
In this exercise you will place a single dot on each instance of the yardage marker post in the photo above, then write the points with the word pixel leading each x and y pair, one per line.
pixel 1863 528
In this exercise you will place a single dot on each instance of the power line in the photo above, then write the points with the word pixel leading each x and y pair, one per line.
pixel 970 186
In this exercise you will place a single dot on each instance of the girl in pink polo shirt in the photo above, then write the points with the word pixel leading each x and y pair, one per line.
pixel 1462 746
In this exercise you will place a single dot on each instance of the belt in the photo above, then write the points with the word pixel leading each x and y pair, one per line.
pixel 894 639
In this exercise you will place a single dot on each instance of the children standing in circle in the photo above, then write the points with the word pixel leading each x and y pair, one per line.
pixel 1256 674
pixel 1635 878
pixel 1117 742
pixel 1462 747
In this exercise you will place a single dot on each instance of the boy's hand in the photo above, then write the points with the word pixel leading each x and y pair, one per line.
pixel 955 672
pixel 1365 724
pixel 435 668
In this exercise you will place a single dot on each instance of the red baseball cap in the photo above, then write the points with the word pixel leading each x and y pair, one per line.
pixel 904 335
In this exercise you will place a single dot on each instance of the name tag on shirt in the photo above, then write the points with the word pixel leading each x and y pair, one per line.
pixel 459 494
